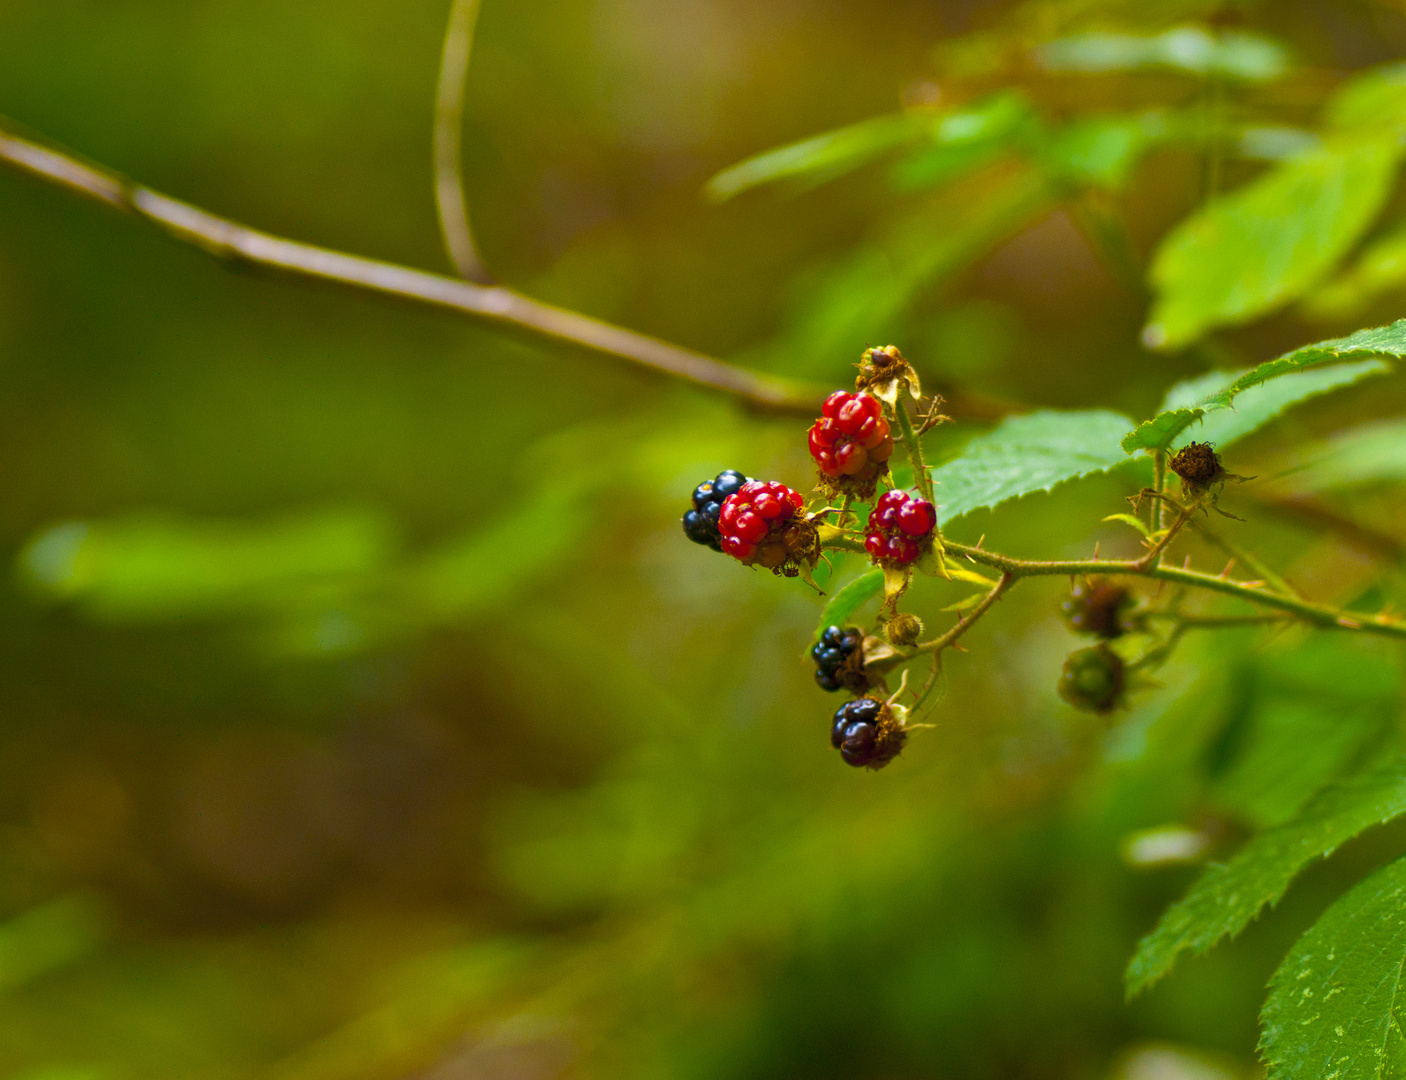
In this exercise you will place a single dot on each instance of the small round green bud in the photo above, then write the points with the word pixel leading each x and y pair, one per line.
pixel 904 629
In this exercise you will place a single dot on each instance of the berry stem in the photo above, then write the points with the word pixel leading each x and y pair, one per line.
pixel 1322 615
pixel 964 622
pixel 921 476
pixel 1159 484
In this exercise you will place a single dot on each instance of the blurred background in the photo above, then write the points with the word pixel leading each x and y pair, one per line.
pixel 364 712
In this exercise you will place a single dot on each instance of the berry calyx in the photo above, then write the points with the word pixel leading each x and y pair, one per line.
pixel 900 528
pixel 867 732
pixel 762 524
pixel 1098 606
pixel 850 444
pixel 700 524
pixel 1092 680
pixel 839 660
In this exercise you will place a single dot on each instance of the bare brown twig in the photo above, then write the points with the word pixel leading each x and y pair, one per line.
pixel 495 304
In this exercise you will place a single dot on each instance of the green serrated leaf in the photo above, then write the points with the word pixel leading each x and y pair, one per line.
pixel 1163 430
pixel 842 606
pixel 1025 454
pixel 1335 1004
pixel 1269 242
pixel 1229 895
pixel 1257 406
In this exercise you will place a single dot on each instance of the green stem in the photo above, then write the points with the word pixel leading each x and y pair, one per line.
pixel 1159 484
pixel 1317 614
pixel 911 444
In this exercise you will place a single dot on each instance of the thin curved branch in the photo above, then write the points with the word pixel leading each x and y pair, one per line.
pixel 495 304
pixel 449 193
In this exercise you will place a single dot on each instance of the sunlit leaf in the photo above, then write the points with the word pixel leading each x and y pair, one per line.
pixel 1379 269
pixel 1270 241
pixel 1228 895
pixel 1025 454
pixel 1335 1004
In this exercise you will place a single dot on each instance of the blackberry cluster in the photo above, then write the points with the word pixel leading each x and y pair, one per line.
pixel 758 524
pixel 1092 680
pixel 900 528
pixel 835 657
pixel 850 443
pixel 701 523
pixel 866 733
pixel 1097 607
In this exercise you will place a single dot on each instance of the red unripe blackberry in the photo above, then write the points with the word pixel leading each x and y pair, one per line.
pixel 900 528
pixel 850 443
pixel 760 524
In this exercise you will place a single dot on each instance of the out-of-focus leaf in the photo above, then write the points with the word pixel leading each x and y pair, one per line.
pixel 1375 98
pixel 1329 693
pixel 1268 242
pixel 842 606
pixel 1275 142
pixel 866 297
pixel 966 139
pixel 1335 1004
pixel 1191 49
pixel 1258 405
pixel 162 566
pixel 49 937
pixel 1102 151
pixel 1025 454
pixel 1379 269
pixel 1370 454
pixel 1228 895
pixel 1163 429
pixel 823 157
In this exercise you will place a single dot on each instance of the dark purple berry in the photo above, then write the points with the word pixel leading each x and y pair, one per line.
pixel 827 681
pixel 859 743
pixel 703 495
pixel 728 482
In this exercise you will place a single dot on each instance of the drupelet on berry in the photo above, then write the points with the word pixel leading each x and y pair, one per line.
pixel 900 528
pixel 839 660
pixel 762 524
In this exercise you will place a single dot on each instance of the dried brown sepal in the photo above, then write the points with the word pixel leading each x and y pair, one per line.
pixel 860 487
pixel 853 676
pixel 890 737
pixel 791 549
pixel 882 369
pixel 1198 465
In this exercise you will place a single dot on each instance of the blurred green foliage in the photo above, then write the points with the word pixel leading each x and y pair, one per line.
pixel 365 714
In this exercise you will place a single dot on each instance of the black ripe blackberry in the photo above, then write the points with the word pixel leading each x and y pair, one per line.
pixel 839 660
pixel 701 523
pixel 867 732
